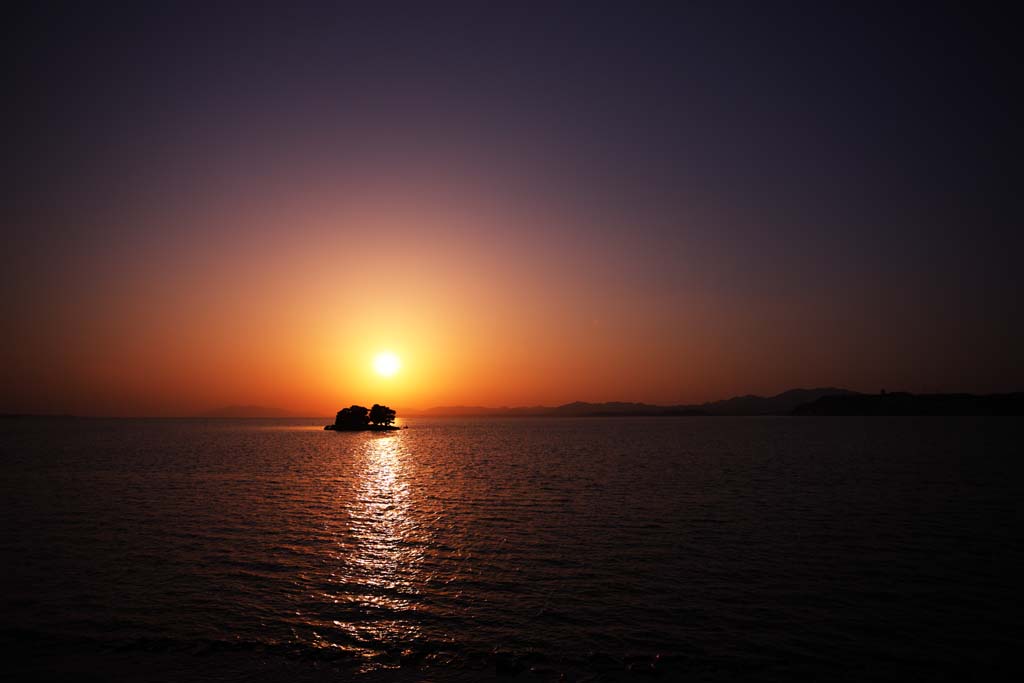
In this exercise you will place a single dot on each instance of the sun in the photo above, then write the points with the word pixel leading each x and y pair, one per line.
pixel 386 364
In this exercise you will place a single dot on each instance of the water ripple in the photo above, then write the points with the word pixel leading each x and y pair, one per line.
pixel 711 549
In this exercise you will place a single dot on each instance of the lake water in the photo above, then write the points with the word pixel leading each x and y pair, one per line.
pixel 465 549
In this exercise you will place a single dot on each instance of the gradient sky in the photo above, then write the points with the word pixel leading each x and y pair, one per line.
pixel 222 206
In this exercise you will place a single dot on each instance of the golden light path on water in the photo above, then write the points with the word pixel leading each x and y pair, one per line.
pixel 383 554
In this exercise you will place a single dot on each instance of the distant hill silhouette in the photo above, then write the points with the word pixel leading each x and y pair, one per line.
pixel 247 411
pixel 781 404
pixel 915 404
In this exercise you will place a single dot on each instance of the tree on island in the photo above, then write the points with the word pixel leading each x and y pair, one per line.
pixel 353 417
pixel 382 416
pixel 358 418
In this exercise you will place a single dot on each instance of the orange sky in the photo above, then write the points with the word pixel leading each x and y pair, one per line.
pixel 287 303
pixel 527 207
pixel 290 310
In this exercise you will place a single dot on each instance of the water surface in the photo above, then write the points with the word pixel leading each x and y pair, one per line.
pixel 460 549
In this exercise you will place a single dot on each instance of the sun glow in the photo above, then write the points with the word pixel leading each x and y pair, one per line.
pixel 386 364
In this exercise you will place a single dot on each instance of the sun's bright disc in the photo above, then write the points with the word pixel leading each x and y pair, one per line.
pixel 386 364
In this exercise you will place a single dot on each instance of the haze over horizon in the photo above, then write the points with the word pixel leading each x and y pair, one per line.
pixel 210 207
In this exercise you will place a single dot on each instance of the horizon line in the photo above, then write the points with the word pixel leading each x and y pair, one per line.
pixel 419 412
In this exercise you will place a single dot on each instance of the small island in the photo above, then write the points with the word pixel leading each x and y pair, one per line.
pixel 361 419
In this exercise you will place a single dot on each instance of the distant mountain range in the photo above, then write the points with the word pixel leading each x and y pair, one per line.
pixel 915 404
pixel 805 402
pixel 781 404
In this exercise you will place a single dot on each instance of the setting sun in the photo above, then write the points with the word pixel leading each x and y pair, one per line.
pixel 386 364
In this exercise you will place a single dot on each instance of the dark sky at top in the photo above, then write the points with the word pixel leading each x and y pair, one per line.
pixel 867 156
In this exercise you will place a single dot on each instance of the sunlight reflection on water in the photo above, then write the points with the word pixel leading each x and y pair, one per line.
pixel 384 555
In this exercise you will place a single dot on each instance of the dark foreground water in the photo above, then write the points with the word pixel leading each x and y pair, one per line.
pixel 594 549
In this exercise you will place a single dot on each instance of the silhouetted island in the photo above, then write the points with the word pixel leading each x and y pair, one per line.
pixel 359 419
